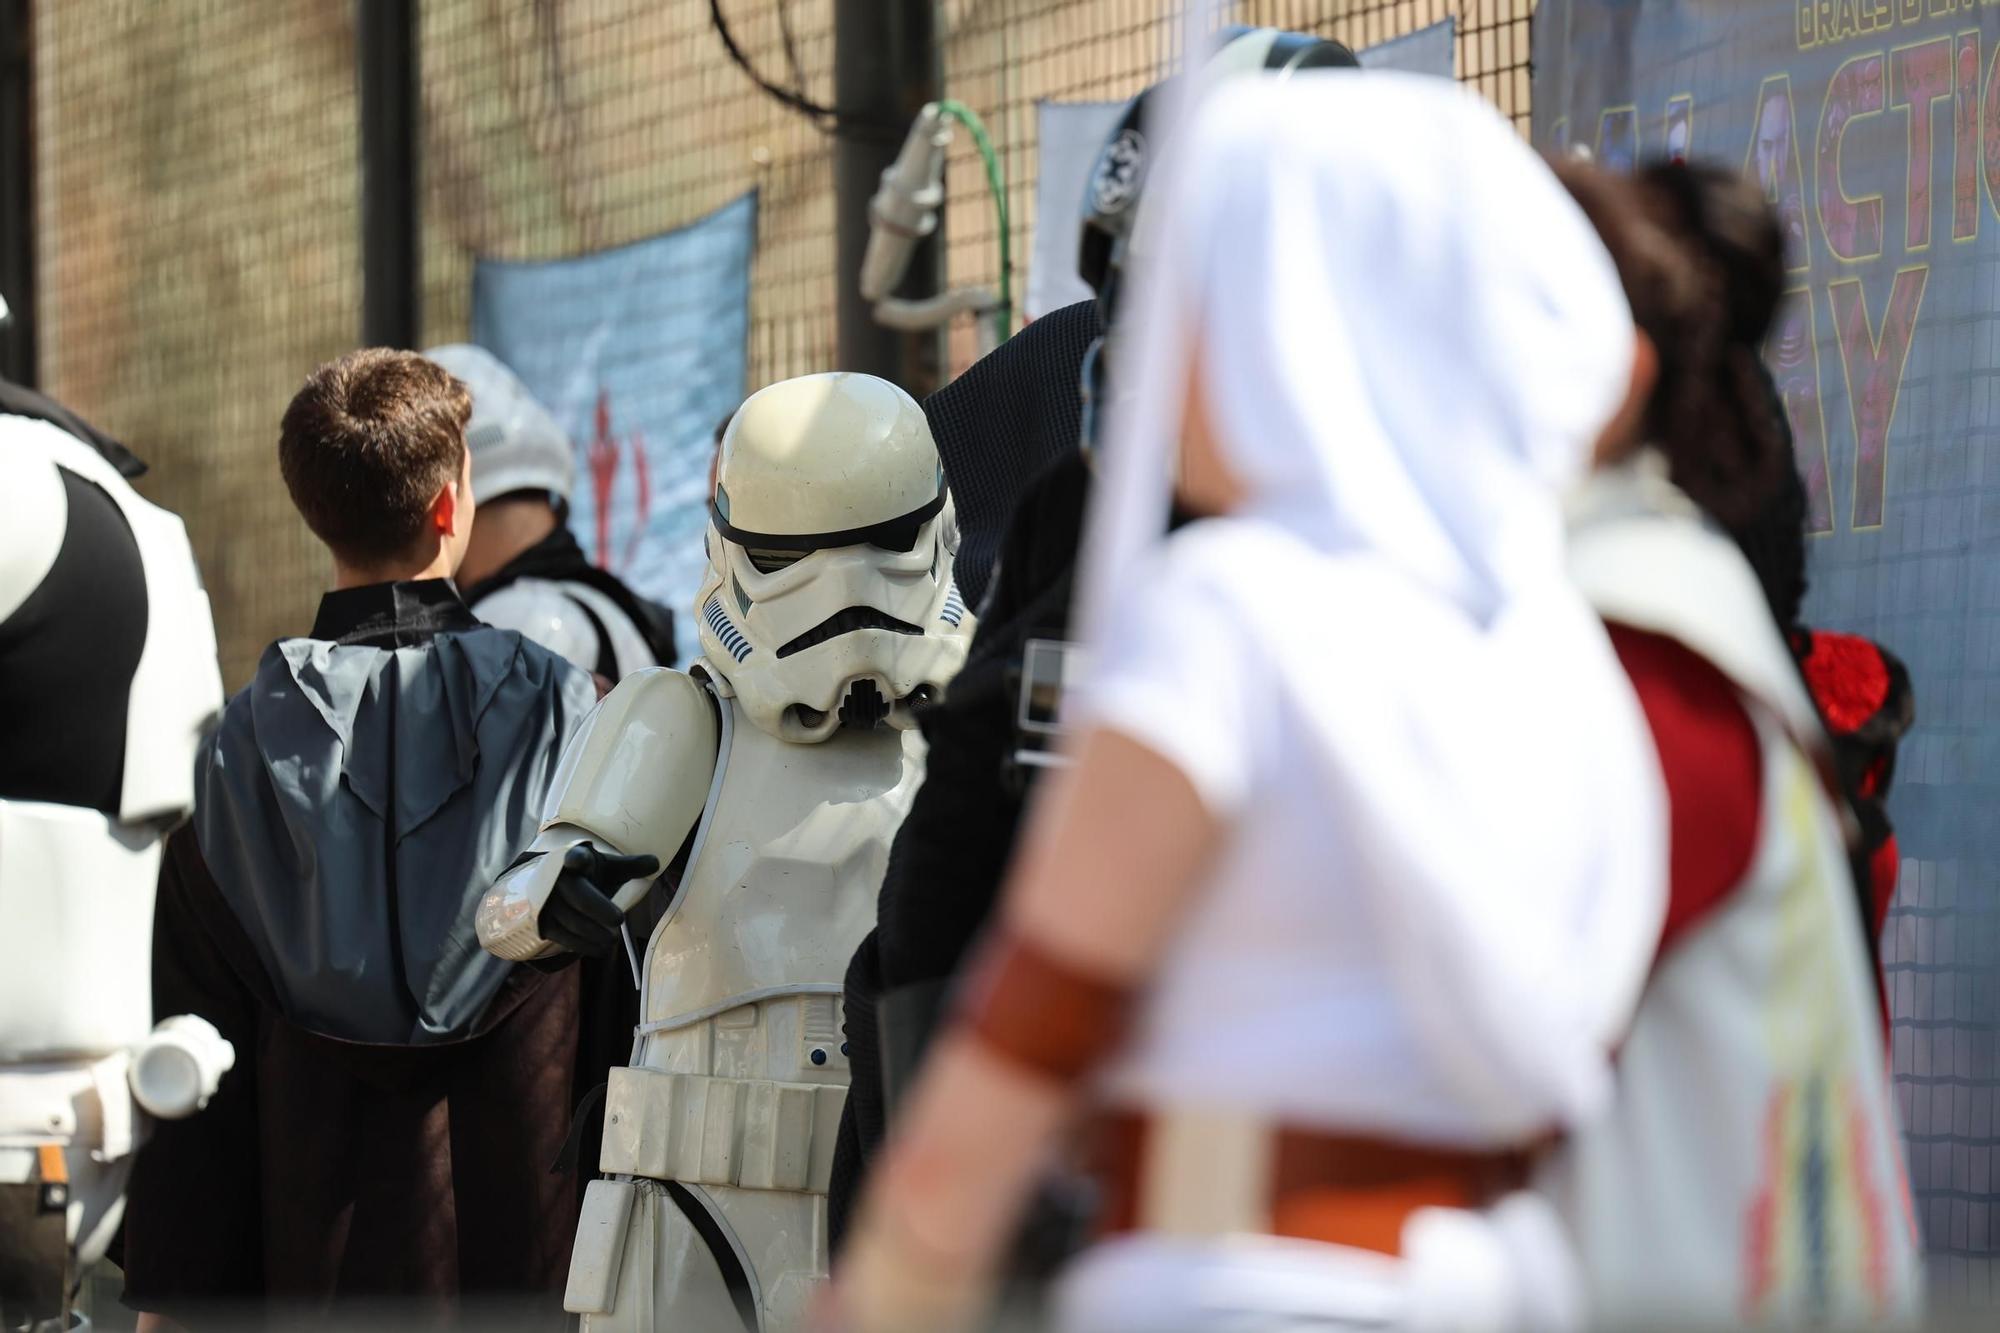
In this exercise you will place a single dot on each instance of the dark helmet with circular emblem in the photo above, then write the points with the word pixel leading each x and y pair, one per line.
pixel 1111 196
pixel 1118 181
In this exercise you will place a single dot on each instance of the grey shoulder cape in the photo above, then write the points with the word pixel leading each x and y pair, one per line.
pixel 357 801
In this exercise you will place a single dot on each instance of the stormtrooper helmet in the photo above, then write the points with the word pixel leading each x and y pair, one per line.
pixel 829 599
pixel 515 444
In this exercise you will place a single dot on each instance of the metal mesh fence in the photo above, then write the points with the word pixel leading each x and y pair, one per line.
pixel 1941 953
pixel 197 253
pixel 1002 57
pixel 553 130
pixel 197 197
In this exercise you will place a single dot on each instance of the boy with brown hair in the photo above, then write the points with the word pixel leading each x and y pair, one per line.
pixel 398 1093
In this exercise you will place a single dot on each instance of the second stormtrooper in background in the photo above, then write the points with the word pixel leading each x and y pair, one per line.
pixel 524 570
pixel 769 780
pixel 107 680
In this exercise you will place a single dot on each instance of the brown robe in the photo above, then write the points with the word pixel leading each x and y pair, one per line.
pixel 329 1176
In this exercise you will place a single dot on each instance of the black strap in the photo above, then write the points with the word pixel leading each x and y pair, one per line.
pixel 579 1126
pixel 607 656
pixel 734 1277
pixel 558 559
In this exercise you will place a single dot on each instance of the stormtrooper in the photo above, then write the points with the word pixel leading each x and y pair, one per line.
pixel 107 678
pixel 768 780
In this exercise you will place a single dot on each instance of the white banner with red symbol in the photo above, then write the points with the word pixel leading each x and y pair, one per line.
pixel 640 353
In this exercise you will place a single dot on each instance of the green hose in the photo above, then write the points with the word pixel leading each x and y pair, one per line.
pixel 1003 317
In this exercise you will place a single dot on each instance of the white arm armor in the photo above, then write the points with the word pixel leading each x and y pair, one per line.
pixel 634 780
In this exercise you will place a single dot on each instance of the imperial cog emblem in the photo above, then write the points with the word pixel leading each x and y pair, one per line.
pixel 1121 169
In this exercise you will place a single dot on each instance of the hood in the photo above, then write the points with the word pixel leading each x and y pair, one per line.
pixel 357 801
pixel 1408 342
pixel 1003 422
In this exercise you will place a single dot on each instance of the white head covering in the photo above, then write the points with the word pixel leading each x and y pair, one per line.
pixel 516 445
pixel 1409 338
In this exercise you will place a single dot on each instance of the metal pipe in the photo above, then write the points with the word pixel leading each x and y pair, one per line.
pixel 385 48
pixel 17 192
pixel 885 68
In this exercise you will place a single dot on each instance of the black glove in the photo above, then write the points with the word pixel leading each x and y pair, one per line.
pixel 579 915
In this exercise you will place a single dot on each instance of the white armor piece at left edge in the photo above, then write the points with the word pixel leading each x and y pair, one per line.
pixel 778 771
pixel 81 1062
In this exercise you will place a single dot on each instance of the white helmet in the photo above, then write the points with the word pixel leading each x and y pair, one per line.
pixel 829 597
pixel 515 443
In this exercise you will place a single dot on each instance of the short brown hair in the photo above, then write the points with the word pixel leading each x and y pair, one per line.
pixel 367 444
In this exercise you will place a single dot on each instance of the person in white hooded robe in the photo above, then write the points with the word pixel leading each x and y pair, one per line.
pixel 1359 863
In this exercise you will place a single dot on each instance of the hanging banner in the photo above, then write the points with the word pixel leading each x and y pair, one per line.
pixel 1425 51
pixel 1874 127
pixel 640 352
pixel 1071 135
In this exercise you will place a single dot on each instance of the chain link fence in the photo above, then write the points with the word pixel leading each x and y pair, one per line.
pixel 1004 58
pixel 197 235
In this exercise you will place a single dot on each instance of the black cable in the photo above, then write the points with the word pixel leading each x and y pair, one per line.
pixel 797 101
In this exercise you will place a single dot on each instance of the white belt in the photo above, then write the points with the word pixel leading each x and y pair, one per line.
pixel 755 1134
pixel 88 1102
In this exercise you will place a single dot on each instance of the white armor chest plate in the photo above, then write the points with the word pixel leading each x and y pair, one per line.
pixel 781 890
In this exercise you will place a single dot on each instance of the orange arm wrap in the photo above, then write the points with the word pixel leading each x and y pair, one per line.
pixel 1039 1013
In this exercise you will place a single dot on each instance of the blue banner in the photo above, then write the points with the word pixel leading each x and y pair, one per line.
pixel 1425 51
pixel 640 352
pixel 1874 126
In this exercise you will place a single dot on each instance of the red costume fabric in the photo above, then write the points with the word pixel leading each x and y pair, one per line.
pixel 1710 760
pixel 1863 693
pixel 1713 767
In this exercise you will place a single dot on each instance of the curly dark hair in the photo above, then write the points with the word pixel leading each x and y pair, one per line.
pixel 1774 538
pixel 1701 255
